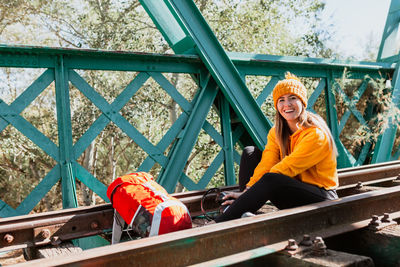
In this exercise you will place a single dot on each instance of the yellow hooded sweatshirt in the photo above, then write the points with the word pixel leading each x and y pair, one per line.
pixel 311 159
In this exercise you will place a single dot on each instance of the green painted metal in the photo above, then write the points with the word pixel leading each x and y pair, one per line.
pixel 222 69
pixel 68 187
pixel 352 103
pixel 389 49
pixel 184 145
pixel 103 120
pixel 384 145
pixel 29 95
pixel 344 159
pixel 314 96
pixel 98 60
pixel 39 192
pixel 225 118
pixel 200 55
pixel 11 116
pixel 169 27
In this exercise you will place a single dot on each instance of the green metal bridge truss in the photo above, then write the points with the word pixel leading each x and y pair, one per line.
pixel 220 77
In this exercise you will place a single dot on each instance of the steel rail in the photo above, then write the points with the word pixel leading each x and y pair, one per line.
pixel 40 229
pixel 49 227
pixel 220 240
pixel 281 246
pixel 369 166
pixel 347 177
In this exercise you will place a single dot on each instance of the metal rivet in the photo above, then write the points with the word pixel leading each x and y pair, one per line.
pixel 374 223
pixel 386 217
pixel 55 240
pixel 359 185
pixel 8 238
pixel 319 247
pixel 306 241
pixel 292 245
pixel 94 225
pixel 374 220
pixel 45 233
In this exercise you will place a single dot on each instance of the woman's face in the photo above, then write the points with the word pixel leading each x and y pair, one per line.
pixel 290 107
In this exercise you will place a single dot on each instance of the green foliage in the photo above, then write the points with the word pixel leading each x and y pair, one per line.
pixel 375 105
pixel 244 26
pixel 265 27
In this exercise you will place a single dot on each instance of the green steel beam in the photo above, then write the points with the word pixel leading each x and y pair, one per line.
pixel 114 116
pixel 68 187
pixel 7 211
pixel 248 64
pixel 169 27
pixel 352 105
pixel 190 185
pixel 137 62
pixel 12 117
pixel 35 89
pixel 209 173
pixel 178 125
pixel 91 182
pixel 170 135
pixel 389 49
pixel 363 154
pixel 58 59
pixel 384 146
pixel 228 146
pixel 222 69
pixel 43 57
pixel 344 159
pixel 306 63
pixel 267 91
pixel 317 92
pixel 165 141
pixel 102 121
pixel 184 144
pixel 39 192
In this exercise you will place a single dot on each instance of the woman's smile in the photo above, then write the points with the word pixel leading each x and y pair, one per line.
pixel 290 107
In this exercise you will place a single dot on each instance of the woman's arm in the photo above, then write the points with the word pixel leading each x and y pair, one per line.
pixel 312 148
pixel 270 157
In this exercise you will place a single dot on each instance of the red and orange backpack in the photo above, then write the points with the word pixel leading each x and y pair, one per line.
pixel 146 206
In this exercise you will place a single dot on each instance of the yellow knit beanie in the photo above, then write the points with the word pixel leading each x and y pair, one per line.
pixel 290 85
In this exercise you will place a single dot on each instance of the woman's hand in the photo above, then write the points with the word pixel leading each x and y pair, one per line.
pixel 230 198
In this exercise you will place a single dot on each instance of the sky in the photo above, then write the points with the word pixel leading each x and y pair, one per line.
pixel 354 21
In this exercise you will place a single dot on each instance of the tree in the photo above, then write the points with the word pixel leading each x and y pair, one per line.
pixel 261 26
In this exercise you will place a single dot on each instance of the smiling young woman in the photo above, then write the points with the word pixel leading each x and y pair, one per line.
pixel 290 107
pixel 298 164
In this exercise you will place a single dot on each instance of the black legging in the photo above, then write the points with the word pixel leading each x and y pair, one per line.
pixel 284 192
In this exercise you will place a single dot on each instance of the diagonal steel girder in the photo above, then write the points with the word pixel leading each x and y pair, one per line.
pixel 388 49
pixel 191 30
pixel 185 143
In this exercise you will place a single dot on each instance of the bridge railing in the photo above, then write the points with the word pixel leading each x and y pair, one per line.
pixel 84 110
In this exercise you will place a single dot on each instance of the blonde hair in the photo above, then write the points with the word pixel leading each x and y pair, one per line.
pixel 306 119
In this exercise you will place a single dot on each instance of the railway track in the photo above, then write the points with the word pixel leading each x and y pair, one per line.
pixel 365 191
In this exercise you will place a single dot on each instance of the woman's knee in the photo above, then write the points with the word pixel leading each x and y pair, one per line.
pixel 273 181
pixel 248 151
pixel 251 155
